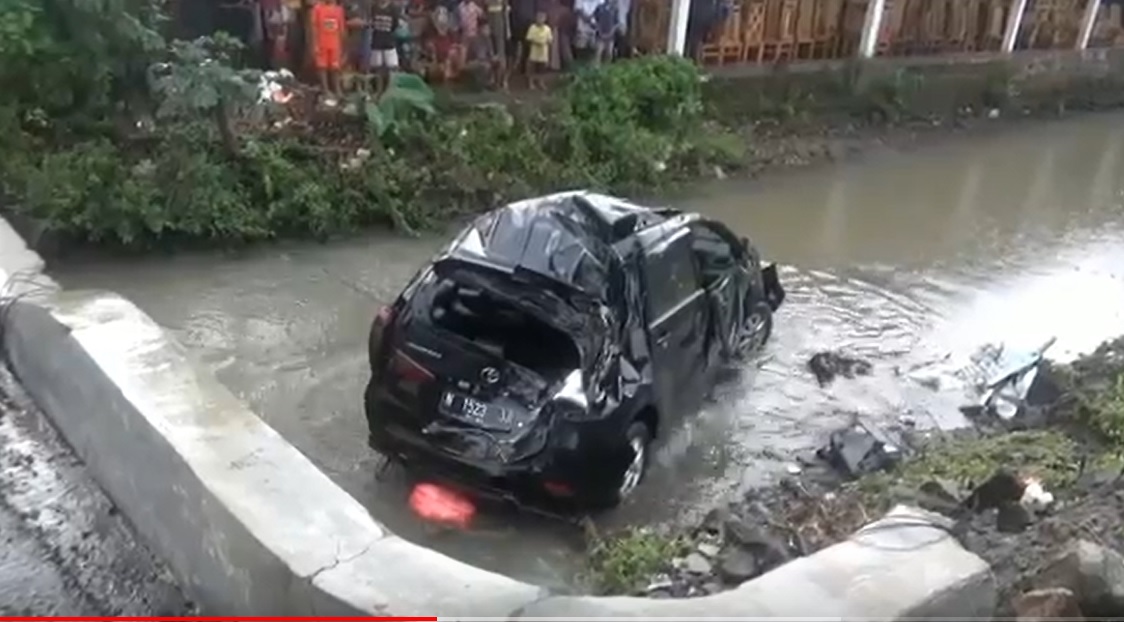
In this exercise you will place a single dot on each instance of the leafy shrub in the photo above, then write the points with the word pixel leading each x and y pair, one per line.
pixel 619 563
pixel 623 126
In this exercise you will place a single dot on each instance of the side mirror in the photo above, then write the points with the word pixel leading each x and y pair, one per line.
pixel 745 243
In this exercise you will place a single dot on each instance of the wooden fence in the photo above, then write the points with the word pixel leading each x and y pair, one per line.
pixel 765 31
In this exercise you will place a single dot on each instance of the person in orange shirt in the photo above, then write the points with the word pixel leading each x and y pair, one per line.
pixel 327 44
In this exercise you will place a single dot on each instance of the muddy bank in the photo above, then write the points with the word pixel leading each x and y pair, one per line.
pixel 1071 443
pixel 66 548
pixel 800 114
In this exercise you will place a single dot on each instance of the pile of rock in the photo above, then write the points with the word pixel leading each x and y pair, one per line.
pixel 727 551
pixel 1084 581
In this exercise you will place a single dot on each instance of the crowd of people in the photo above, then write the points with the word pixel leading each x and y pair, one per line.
pixel 443 40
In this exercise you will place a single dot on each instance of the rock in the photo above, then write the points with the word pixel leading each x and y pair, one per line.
pixel 1095 574
pixel 715 520
pixel 1012 518
pixel 737 565
pixel 767 550
pixel 707 549
pixel 940 495
pixel 993 113
pixel 826 366
pixel 697 564
pixel 1046 604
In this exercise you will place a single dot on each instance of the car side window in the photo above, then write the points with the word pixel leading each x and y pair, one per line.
pixel 670 277
pixel 715 253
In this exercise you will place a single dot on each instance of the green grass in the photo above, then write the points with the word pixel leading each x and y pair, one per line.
pixel 624 562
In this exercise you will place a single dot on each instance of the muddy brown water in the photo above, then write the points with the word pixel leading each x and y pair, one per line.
pixel 899 258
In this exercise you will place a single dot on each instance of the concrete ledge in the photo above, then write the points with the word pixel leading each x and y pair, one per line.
pixel 906 565
pixel 247 522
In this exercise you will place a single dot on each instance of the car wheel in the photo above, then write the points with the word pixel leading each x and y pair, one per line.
pixel 758 328
pixel 638 439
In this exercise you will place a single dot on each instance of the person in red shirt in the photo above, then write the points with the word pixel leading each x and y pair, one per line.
pixel 327 43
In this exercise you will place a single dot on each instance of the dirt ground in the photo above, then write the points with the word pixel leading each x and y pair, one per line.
pixel 66 548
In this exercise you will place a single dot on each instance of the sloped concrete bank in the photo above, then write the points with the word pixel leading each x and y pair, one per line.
pixel 250 526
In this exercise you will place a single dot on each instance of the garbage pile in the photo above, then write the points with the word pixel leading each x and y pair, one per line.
pixel 1002 385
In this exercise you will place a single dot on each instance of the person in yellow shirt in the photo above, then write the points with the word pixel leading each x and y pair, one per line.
pixel 539 38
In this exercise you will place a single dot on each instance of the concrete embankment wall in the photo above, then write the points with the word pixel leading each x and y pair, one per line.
pixel 941 86
pixel 250 526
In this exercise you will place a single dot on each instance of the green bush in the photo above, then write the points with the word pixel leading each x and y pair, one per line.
pixel 620 563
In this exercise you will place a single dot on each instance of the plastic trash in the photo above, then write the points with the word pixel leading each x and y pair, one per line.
pixel 858 449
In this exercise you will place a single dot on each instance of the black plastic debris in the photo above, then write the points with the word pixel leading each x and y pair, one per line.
pixel 1003 492
pixel 858 449
pixel 827 366
pixel 1002 488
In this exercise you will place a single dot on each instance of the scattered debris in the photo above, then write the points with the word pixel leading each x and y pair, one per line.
pixel 826 366
pixel 999 382
pixel 859 449
pixel 276 87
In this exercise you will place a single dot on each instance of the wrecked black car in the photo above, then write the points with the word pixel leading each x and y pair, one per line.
pixel 538 355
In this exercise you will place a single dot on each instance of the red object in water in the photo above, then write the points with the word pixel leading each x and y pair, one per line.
pixel 442 505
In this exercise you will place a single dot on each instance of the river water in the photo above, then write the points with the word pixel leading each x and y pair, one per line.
pixel 899 258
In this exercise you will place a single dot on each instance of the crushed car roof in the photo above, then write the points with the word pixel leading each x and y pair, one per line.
pixel 566 237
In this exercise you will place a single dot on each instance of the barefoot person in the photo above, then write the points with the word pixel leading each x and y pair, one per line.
pixel 539 38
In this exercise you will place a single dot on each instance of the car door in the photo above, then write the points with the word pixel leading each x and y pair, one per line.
pixel 723 274
pixel 677 317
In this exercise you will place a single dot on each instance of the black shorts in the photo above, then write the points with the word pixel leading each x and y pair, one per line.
pixel 538 67
pixel 519 30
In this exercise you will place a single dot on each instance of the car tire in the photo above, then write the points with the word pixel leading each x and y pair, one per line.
pixel 610 497
pixel 758 329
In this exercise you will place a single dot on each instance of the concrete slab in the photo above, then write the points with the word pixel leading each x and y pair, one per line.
pixel 21 269
pixel 247 522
